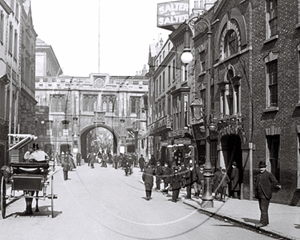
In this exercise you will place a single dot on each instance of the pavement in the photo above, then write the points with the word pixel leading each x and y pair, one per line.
pixel 284 219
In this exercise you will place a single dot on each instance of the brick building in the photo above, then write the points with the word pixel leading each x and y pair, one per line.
pixel 254 89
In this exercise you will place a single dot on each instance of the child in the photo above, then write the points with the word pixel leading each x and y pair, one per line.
pixel 223 186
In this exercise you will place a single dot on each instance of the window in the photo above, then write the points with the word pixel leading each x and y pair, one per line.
pixel 89 103
pixel 169 106
pixel 16 45
pixel 230 43
pixel 164 78
pixel 202 61
pixel 271 18
pixel 1 26
pixel 169 74
pixel 272 83
pixel 10 37
pixel 57 103
pixel 186 110
pixel 174 70
pixel 159 84
pixel 17 11
pixel 176 112
pixel 132 105
pixel 163 108
pixel 273 147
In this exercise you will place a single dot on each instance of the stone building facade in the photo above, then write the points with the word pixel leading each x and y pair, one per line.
pixel 78 105
pixel 17 37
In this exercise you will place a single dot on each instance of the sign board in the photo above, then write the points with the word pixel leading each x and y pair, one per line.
pixel 172 13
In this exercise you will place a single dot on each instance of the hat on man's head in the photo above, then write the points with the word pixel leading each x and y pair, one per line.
pixel 234 164
pixel 262 164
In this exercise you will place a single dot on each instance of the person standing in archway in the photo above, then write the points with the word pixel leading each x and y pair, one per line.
pixel 234 180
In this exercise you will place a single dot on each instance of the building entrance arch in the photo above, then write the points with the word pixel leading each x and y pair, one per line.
pixel 232 152
pixel 87 129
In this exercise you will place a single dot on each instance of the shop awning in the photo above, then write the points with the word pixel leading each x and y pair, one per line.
pixel 21 140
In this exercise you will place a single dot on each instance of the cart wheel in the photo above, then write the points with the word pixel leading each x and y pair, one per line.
pixel 2 197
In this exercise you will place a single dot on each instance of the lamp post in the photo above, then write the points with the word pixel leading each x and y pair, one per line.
pixel 186 58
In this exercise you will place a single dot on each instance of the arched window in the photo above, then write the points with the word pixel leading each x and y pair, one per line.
pixel 230 43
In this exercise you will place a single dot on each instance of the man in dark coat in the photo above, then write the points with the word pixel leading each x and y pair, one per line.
pixel 198 179
pixel 234 179
pixel 217 179
pixel 167 171
pixel 65 165
pixel 265 185
pixel 158 175
pixel 188 181
pixel 148 180
pixel 176 183
pixel 142 163
pixel 78 159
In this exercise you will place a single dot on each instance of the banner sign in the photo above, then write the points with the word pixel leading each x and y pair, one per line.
pixel 172 13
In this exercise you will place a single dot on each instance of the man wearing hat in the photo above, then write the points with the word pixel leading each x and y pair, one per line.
pixel 234 179
pixel 265 184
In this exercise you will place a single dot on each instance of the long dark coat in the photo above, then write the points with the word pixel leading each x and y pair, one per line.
pixel 142 162
pixel 265 184
pixel 176 180
pixel 148 178
pixel 167 171
pixel 188 177
pixel 234 178
pixel 217 180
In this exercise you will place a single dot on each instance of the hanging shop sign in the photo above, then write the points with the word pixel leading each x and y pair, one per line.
pixel 172 13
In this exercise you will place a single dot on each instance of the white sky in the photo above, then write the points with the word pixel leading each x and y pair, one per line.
pixel 71 28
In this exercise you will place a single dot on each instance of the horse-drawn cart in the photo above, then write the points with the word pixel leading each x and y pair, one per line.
pixel 25 177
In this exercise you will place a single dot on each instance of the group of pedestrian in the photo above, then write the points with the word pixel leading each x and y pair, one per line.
pixel 174 177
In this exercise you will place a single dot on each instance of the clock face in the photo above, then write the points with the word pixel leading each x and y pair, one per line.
pixel 99 82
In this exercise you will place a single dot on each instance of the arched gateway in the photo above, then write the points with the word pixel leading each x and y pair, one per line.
pixel 87 129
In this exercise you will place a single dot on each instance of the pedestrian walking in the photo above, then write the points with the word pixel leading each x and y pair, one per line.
pixel 217 179
pixel 223 185
pixel 142 163
pixel 92 159
pixel 167 171
pixel 198 179
pixel 188 181
pixel 78 159
pixel 71 160
pixel 265 185
pixel 234 181
pixel 176 183
pixel 148 180
pixel 65 166
pixel 104 160
pixel 115 161
pixel 158 175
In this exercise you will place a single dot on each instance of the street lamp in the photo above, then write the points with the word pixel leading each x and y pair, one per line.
pixel 196 109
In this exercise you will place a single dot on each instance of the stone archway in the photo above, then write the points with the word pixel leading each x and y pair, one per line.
pixel 87 129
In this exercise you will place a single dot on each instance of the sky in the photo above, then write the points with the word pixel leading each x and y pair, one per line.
pixel 127 28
